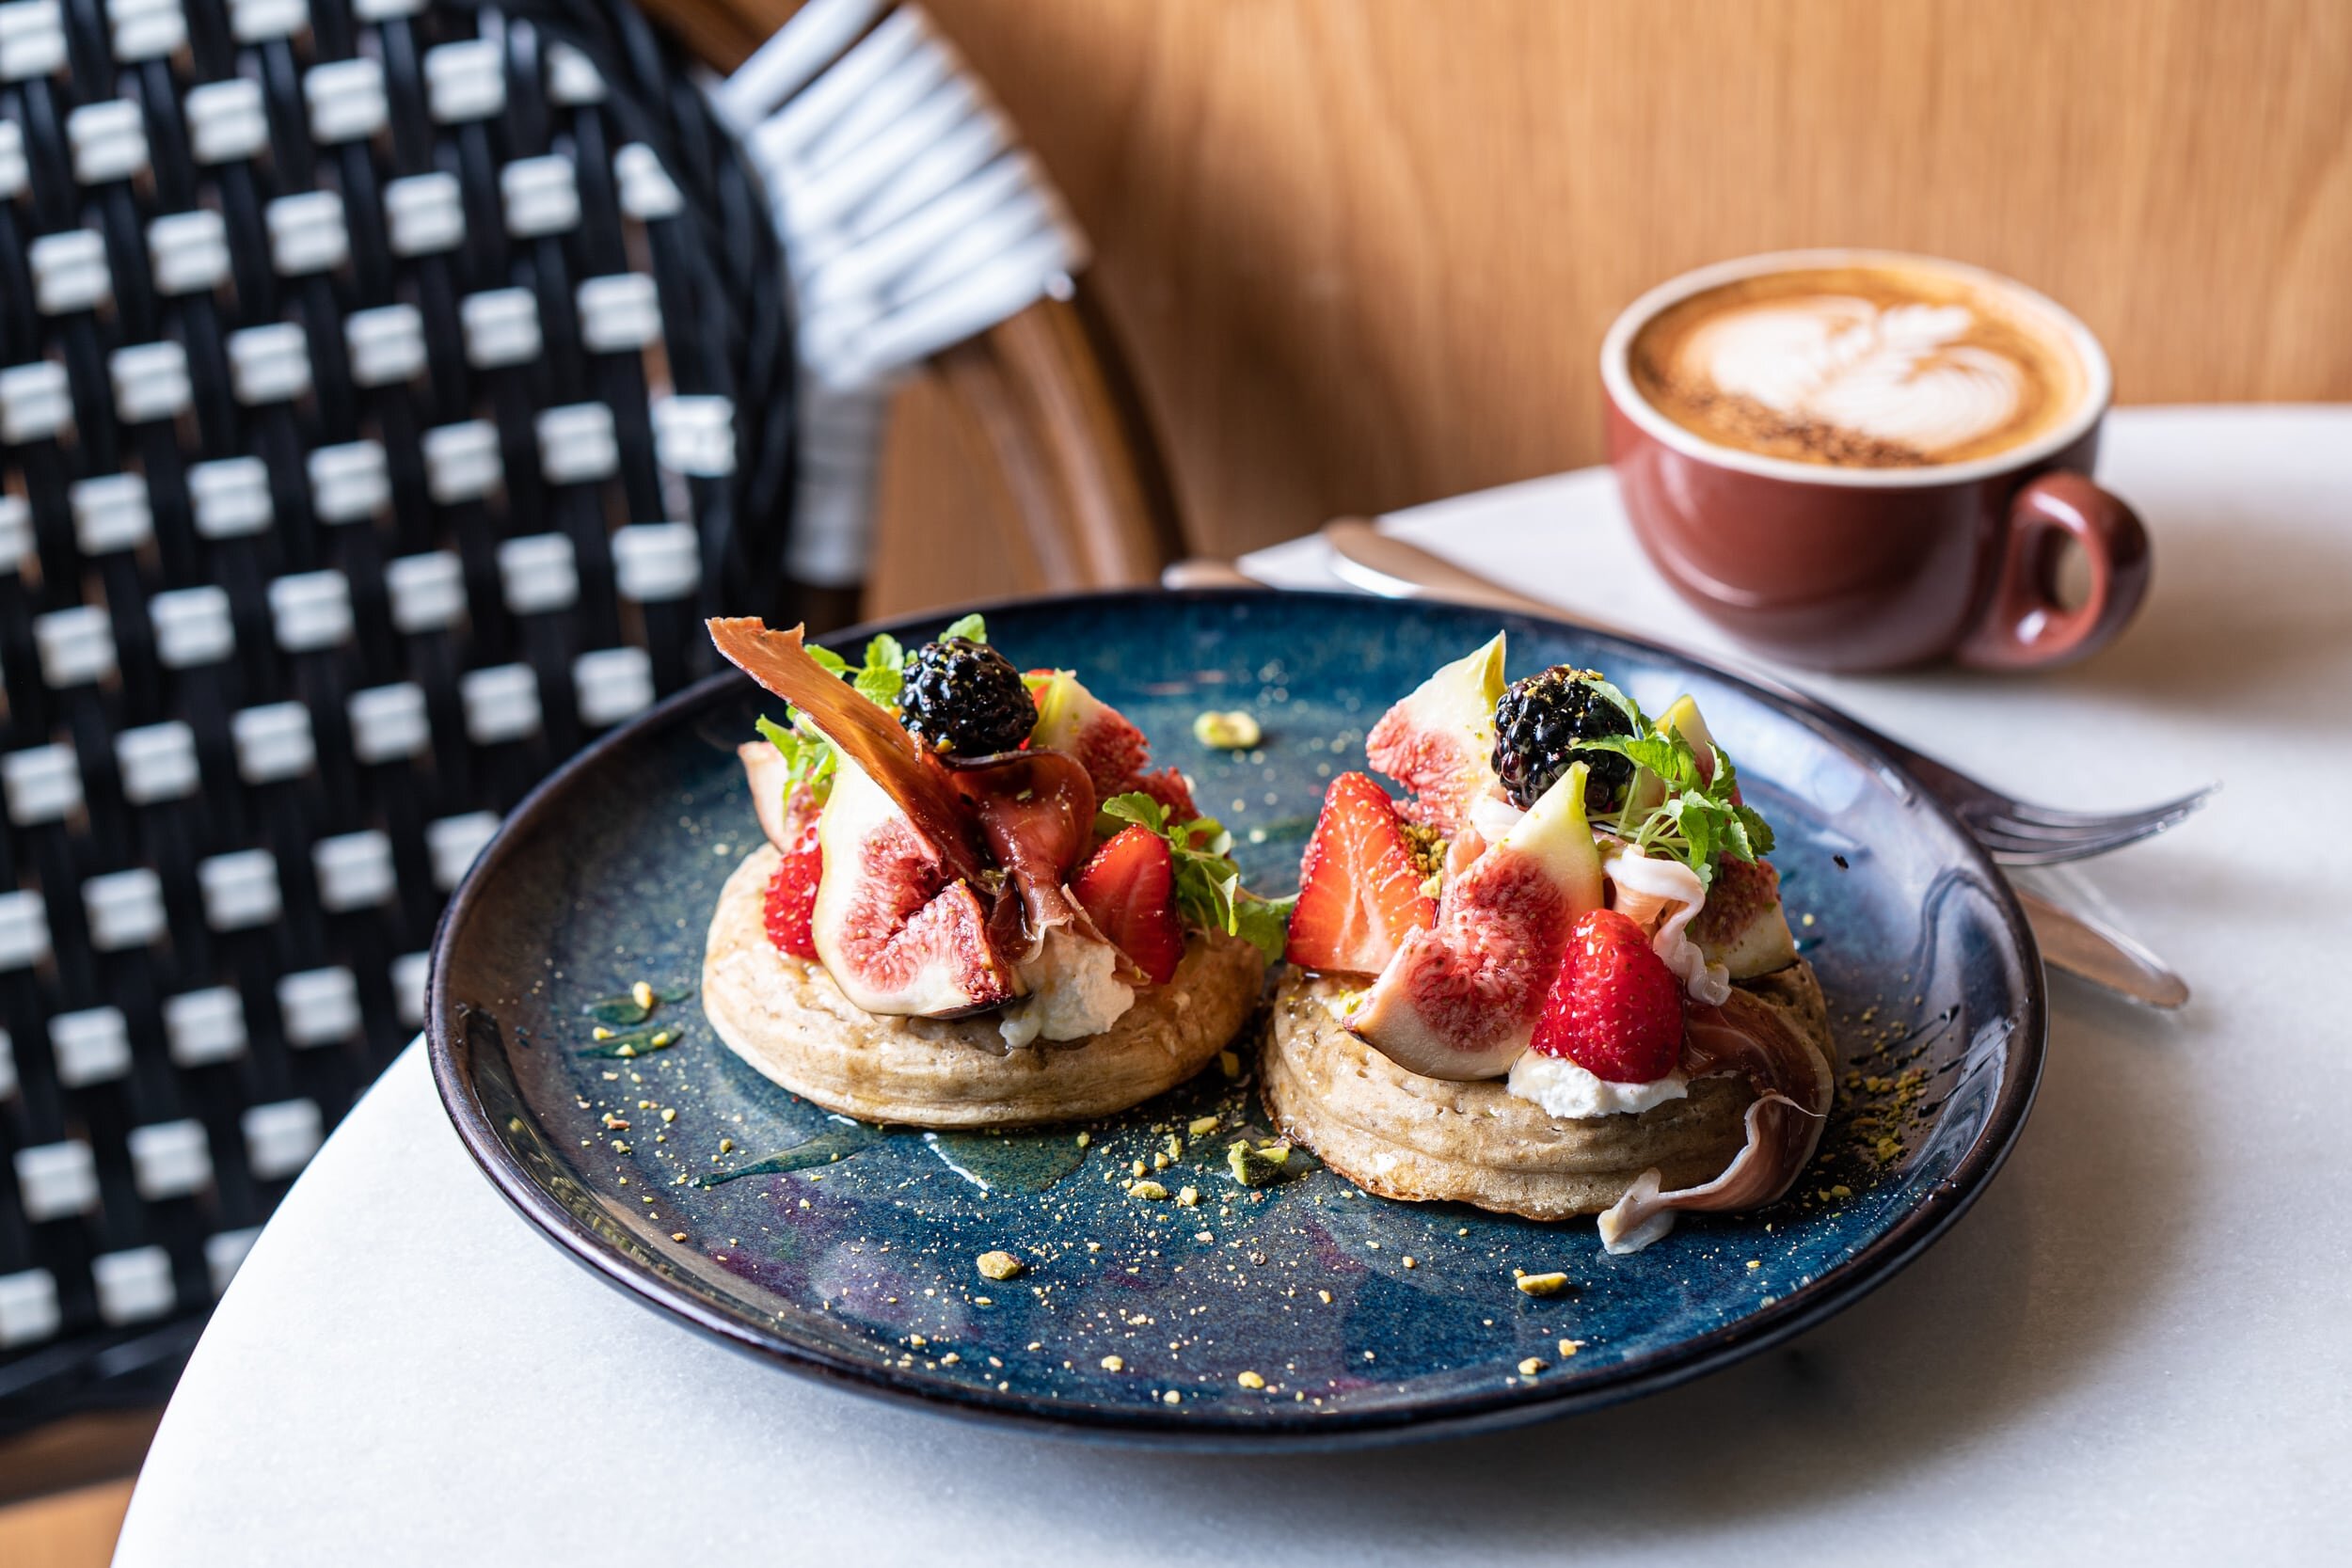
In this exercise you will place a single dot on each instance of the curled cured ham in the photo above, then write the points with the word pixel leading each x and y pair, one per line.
pixel 1792 1086
pixel 1663 897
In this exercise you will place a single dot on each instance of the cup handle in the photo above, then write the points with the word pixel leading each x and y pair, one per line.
pixel 2025 626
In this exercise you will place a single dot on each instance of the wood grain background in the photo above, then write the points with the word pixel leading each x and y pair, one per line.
pixel 1362 251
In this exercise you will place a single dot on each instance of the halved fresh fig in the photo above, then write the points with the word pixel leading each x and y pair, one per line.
pixel 1440 741
pixel 893 926
pixel 1460 999
pixel 1070 718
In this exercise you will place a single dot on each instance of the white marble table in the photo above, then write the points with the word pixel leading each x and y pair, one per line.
pixel 2133 1348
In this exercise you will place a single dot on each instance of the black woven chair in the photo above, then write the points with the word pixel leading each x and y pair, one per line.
pixel 385 392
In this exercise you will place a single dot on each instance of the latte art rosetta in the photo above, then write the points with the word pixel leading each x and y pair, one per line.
pixel 1896 374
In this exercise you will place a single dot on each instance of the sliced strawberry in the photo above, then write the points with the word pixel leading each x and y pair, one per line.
pixel 1168 788
pixel 1359 892
pixel 1128 889
pixel 1073 720
pixel 1616 1009
pixel 790 902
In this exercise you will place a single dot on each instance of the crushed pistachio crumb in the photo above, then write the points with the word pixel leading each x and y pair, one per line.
pixel 999 1265
pixel 1231 729
pixel 1228 1064
pixel 1114 1364
pixel 1085 1138
pixel 642 994
pixel 677 1235
pixel 1188 1197
pixel 1530 1367
pixel 1569 1347
pixel 1149 1191
pixel 1542 1284
pixel 727 1145
pixel 1250 1380
pixel 1201 1125
pixel 1257 1167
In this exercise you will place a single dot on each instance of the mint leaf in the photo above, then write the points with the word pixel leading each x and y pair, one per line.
pixel 968 626
pixel 834 664
pixel 1135 808
pixel 1625 705
pixel 1265 923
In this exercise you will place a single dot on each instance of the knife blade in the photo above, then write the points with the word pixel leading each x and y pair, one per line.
pixel 2099 954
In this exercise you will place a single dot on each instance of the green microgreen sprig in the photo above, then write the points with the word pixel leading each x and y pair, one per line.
pixel 1691 815
pixel 1208 884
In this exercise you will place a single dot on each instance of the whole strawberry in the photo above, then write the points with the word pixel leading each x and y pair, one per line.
pixel 1616 1010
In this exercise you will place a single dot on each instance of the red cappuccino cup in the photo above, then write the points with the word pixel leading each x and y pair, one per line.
pixel 1861 460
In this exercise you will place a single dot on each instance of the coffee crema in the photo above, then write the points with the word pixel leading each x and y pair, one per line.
pixel 1860 367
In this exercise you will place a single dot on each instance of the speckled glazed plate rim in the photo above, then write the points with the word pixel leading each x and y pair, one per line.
pixel 1932 1211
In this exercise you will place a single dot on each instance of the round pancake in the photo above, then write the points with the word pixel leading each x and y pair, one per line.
pixel 788 1018
pixel 1400 1136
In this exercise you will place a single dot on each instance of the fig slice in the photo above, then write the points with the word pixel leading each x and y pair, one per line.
pixel 1743 925
pixel 1460 999
pixel 764 770
pixel 860 730
pixel 1070 718
pixel 895 928
pixel 1439 743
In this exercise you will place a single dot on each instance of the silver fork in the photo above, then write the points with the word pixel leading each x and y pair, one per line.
pixel 2016 833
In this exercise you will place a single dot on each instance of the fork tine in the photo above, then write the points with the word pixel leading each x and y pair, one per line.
pixel 2094 831
pixel 2025 813
pixel 2017 850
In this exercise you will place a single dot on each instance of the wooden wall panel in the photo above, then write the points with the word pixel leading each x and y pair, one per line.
pixel 1363 250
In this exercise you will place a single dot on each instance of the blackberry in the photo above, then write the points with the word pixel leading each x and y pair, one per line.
pixel 1538 722
pixel 965 697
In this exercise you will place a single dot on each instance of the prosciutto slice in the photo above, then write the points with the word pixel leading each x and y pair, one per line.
pixel 864 732
pixel 1792 1086
pixel 1649 885
pixel 1035 810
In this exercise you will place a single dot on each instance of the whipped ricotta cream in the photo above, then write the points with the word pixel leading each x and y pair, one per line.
pixel 1075 990
pixel 1567 1091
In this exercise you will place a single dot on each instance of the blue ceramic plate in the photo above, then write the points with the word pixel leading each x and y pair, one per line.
pixel 848 1251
